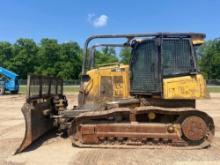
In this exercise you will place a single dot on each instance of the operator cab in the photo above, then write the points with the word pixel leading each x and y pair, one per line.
pixel 157 58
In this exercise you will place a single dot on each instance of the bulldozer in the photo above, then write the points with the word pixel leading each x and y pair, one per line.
pixel 150 103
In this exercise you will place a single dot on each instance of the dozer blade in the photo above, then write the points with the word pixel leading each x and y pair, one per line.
pixel 37 109
pixel 36 123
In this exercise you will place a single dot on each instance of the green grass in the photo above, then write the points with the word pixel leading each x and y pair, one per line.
pixel 22 89
pixel 67 89
pixel 214 89
pixel 72 89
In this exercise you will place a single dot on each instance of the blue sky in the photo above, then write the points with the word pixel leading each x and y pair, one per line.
pixel 74 20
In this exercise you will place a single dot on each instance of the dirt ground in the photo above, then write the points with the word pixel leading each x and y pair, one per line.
pixel 56 150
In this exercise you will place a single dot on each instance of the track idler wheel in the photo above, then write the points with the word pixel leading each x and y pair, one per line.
pixel 194 129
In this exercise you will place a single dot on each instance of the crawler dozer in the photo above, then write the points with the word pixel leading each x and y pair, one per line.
pixel 149 103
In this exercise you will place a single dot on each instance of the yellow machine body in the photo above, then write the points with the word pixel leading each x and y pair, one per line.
pixel 107 83
pixel 186 87
pixel 112 82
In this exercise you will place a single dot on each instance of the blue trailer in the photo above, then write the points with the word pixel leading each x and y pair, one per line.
pixel 8 81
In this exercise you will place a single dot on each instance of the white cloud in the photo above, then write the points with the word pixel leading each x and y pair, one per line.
pixel 97 22
pixel 101 21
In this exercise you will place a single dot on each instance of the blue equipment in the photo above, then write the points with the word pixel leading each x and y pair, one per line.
pixel 8 81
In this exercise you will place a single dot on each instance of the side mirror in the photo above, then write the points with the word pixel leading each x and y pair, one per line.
pixel 85 78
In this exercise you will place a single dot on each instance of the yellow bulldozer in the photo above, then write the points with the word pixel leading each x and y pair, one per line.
pixel 150 103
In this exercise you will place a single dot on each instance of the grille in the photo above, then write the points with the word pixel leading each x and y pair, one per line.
pixel 106 88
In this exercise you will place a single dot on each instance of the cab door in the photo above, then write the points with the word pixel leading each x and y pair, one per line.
pixel 145 68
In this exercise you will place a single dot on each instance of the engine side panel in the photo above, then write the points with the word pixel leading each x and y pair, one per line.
pixel 107 83
pixel 185 87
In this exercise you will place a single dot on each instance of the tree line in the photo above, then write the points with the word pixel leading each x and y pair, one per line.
pixel 49 57
pixel 209 59
pixel 64 60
